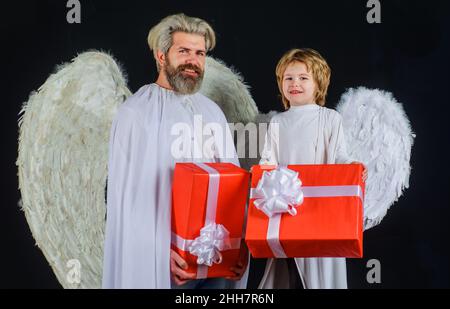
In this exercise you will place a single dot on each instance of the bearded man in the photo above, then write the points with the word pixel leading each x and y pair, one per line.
pixel 144 147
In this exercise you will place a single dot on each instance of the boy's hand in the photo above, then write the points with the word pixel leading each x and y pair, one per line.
pixel 177 268
pixel 241 266
pixel 364 174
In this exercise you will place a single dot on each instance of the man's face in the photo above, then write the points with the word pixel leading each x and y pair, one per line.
pixel 185 62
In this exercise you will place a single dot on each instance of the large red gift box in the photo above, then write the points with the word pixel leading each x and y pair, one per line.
pixel 328 223
pixel 204 198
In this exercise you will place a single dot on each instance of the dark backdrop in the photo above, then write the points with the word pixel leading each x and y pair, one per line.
pixel 406 54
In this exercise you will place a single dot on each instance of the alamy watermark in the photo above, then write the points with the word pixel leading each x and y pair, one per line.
pixel 200 140
pixel 374 274
pixel 74 14
pixel 374 14
pixel 73 275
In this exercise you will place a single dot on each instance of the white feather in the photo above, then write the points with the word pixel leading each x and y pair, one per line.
pixel 378 134
pixel 62 162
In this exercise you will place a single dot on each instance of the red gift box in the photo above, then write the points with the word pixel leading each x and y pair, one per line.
pixel 328 223
pixel 205 199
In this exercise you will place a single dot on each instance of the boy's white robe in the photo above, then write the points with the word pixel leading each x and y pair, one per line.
pixel 141 164
pixel 307 134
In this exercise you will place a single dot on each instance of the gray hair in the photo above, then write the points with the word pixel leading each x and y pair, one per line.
pixel 160 36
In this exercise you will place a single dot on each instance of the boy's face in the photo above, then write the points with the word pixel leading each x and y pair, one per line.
pixel 298 84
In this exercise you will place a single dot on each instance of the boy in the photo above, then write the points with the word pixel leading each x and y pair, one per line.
pixel 308 133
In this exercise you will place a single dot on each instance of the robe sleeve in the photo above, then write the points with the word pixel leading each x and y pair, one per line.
pixel 270 155
pixel 129 254
pixel 118 169
pixel 338 139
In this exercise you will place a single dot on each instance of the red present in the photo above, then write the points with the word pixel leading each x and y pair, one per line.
pixel 328 222
pixel 208 201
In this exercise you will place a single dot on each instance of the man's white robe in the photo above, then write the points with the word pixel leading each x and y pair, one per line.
pixel 307 134
pixel 148 134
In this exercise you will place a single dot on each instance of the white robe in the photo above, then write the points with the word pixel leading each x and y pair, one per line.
pixel 307 134
pixel 140 171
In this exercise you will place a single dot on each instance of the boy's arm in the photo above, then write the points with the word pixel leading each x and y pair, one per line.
pixel 342 156
pixel 270 153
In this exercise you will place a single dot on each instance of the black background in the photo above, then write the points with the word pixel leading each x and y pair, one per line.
pixel 407 54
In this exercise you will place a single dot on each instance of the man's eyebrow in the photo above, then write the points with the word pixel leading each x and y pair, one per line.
pixel 186 48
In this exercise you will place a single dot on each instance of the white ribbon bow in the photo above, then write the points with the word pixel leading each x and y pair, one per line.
pixel 279 191
pixel 213 239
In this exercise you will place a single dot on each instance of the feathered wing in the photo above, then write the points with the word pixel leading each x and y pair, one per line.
pixel 378 133
pixel 62 163
pixel 63 156
pixel 226 87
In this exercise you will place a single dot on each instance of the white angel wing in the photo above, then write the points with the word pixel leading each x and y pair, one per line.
pixel 378 133
pixel 63 156
pixel 226 87
pixel 62 162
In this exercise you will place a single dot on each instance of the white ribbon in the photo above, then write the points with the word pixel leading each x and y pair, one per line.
pixel 213 239
pixel 278 192
pixel 185 244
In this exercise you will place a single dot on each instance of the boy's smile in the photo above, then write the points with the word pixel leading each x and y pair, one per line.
pixel 294 92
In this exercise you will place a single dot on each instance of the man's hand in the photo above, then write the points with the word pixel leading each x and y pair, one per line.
pixel 241 266
pixel 177 268
pixel 364 174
